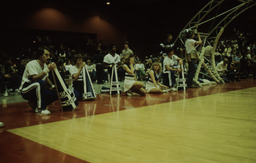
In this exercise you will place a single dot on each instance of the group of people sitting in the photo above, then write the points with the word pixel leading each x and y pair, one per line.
pixel 38 88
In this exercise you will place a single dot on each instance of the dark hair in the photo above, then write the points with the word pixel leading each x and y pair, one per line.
pixel 127 60
pixel 111 46
pixel 78 56
pixel 40 51
pixel 169 49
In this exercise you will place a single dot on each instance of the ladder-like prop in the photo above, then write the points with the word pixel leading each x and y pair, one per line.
pixel 114 83
pixel 213 16
pixel 89 92
pixel 66 95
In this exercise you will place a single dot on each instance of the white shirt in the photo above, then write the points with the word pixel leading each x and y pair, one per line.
pixel 126 52
pixel 208 51
pixel 139 66
pixel 32 68
pixel 73 70
pixel 221 68
pixel 110 59
pixel 90 68
pixel 169 61
pixel 190 45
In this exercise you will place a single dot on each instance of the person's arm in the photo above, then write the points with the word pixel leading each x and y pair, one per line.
pixel 199 39
pixel 168 68
pixel 45 71
pixel 128 70
pixel 76 75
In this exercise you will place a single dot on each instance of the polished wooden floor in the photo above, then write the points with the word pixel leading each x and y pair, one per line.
pixel 215 123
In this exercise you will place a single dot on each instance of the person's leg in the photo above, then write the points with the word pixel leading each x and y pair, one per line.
pixel 31 92
pixel 137 87
pixel 78 90
pixel 191 72
pixel 156 91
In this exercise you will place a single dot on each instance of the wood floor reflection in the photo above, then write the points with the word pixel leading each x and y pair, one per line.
pixel 208 124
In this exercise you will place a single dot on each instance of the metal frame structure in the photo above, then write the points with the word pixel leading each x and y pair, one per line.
pixel 212 19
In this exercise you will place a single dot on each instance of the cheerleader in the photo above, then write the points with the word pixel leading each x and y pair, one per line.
pixel 153 85
pixel 131 85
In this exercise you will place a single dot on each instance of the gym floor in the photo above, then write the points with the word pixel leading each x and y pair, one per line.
pixel 214 123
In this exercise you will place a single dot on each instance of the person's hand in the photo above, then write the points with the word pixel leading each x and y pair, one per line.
pixel 83 64
pixel 179 70
pixel 51 66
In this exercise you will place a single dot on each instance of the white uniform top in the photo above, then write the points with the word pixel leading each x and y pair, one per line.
pixel 32 68
pixel 110 59
pixel 208 51
pixel 73 70
pixel 169 61
pixel 190 45
pixel 221 68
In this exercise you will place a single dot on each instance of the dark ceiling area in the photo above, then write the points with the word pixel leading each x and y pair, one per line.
pixel 144 22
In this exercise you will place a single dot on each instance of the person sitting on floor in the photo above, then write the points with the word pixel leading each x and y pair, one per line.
pixel 131 85
pixel 153 85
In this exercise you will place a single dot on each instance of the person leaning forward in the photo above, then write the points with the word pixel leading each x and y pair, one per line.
pixel 35 86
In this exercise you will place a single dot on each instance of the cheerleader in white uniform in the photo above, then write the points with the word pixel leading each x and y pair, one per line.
pixel 153 85
pixel 131 85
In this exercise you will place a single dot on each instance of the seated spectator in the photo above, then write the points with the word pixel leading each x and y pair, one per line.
pixel 111 59
pixel 131 85
pixel 140 70
pixel 91 69
pixel 153 85
pixel 76 71
pixel 12 75
pixel 170 68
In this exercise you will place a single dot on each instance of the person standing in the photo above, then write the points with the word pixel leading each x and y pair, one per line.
pixel 190 45
pixel 36 87
pixel 126 51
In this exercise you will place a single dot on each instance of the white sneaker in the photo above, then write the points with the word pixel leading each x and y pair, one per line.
pixel 1 124
pixel 174 89
pixel 42 112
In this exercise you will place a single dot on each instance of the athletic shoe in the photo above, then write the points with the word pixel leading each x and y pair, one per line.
pixel 128 93
pixel 42 112
pixel 173 89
